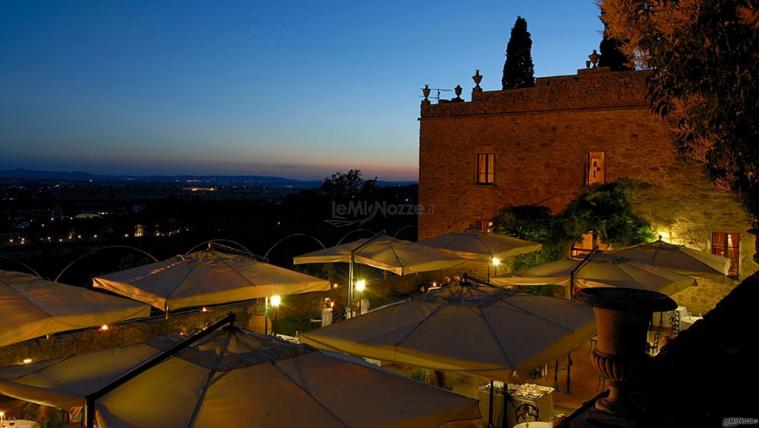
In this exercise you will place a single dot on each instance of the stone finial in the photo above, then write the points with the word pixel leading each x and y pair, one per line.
pixel 477 79
pixel 426 92
pixel 458 90
pixel 593 57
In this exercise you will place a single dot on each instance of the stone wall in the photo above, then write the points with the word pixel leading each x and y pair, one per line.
pixel 124 334
pixel 686 210
pixel 540 137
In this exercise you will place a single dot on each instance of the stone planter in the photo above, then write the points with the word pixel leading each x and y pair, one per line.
pixel 622 317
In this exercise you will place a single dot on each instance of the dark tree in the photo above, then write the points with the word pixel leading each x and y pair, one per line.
pixel 705 79
pixel 518 70
pixel 347 184
pixel 612 56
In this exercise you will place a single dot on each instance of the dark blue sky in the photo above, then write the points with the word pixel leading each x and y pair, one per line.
pixel 291 88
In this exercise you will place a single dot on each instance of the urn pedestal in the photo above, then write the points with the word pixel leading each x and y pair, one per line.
pixel 622 318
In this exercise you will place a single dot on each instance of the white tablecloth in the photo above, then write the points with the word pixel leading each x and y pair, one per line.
pixel 688 321
pixel 19 423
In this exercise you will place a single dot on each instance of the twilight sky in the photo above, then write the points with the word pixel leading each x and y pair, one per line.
pixel 290 88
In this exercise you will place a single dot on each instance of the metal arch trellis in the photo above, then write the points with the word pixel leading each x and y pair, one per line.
pixel 360 229
pixel 220 242
pixel 408 226
pixel 110 247
pixel 31 269
pixel 293 235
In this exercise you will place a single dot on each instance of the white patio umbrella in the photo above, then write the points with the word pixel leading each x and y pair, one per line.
pixel 234 377
pixel 386 253
pixel 480 246
pixel 31 307
pixel 382 252
pixel 678 258
pixel 599 270
pixel 485 331
pixel 206 278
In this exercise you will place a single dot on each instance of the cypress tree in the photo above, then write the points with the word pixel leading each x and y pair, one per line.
pixel 518 70
pixel 612 56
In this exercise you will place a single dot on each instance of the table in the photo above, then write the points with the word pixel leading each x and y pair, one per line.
pixel 541 397
pixel 19 423
pixel 688 321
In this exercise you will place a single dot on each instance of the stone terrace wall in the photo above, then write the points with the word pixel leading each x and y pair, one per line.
pixel 124 334
pixel 590 89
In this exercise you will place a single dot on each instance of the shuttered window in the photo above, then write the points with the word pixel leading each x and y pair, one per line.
pixel 728 245
pixel 485 168
pixel 595 172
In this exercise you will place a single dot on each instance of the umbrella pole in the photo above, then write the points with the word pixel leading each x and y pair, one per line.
pixel 266 315
pixel 350 285
pixel 490 406
pixel 89 399
pixel 569 373
pixel 572 273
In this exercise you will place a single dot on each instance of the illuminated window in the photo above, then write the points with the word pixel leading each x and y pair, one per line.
pixel 594 168
pixel 586 243
pixel 483 225
pixel 485 168
pixel 727 244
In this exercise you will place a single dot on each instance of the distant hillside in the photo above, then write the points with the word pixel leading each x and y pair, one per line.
pixel 262 180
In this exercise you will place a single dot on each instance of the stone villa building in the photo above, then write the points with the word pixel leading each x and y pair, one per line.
pixel 544 145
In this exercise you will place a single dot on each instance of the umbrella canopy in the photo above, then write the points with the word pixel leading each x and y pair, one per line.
pixel 678 258
pixel 234 377
pixel 206 278
pixel 600 270
pixel 32 307
pixel 386 253
pixel 480 246
pixel 486 331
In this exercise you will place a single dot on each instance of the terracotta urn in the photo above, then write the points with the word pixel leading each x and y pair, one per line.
pixel 622 318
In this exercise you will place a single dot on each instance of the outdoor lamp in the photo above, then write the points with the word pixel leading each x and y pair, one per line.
pixel 275 300
pixel 361 285
pixel 496 261
pixel 27 361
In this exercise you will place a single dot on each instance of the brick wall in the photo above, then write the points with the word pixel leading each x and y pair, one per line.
pixel 540 137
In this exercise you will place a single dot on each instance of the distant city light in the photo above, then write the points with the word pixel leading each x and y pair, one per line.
pixel 104 327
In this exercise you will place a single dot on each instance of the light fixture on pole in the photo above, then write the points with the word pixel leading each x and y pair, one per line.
pixel 360 287
pixel 495 261
pixel 273 302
